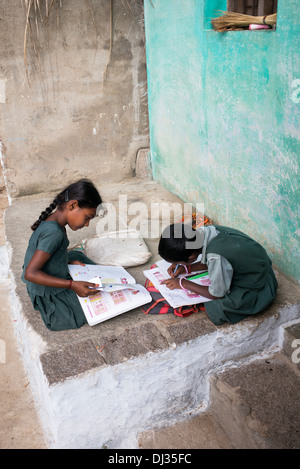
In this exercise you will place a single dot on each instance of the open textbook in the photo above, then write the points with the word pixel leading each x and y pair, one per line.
pixel 118 291
pixel 177 297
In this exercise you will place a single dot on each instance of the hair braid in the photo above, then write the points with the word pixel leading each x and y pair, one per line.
pixel 44 215
pixel 83 191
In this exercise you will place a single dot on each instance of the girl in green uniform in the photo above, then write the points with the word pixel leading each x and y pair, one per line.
pixel 241 275
pixel 45 269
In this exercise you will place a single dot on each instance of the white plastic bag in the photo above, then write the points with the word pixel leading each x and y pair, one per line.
pixel 126 248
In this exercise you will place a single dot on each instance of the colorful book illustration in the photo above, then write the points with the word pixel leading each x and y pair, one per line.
pixel 118 291
pixel 177 297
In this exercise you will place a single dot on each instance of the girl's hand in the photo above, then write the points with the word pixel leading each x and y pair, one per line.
pixel 84 289
pixel 172 268
pixel 171 283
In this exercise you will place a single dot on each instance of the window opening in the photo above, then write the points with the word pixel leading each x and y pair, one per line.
pixel 247 14
pixel 253 7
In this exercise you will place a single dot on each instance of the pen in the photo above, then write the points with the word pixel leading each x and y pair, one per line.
pixel 198 276
pixel 175 269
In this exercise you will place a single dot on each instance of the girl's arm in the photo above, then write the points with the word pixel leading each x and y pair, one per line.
pixel 173 283
pixel 35 274
pixel 198 266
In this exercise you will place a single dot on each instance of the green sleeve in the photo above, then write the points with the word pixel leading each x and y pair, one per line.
pixel 49 241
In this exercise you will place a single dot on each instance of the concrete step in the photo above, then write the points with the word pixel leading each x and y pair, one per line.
pixel 101 386
pixel 254 406
pixel 258 404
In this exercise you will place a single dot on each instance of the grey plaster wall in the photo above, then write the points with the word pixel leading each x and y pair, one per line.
pixel 83 112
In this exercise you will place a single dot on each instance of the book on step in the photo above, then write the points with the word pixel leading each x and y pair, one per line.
pixel 118 291
pixel 177 297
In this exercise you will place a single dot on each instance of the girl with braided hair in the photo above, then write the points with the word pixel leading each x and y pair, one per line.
pixel 45 270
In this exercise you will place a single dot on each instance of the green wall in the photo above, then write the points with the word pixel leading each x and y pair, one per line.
pixel 225 119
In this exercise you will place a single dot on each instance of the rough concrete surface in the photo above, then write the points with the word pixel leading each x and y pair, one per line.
pixel 73 353
pixel 195 433
pixel 252 407
pixel 86 99
pixel 19 424
pixel 262 404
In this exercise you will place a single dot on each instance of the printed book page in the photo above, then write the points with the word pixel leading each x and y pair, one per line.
pixel 177 297
pixel 108 304
pixel 107 274
pixel 164 265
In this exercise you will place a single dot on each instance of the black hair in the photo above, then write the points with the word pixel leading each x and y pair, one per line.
pixel 83 191
pixel 178 241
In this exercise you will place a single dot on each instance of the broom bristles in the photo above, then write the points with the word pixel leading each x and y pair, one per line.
pixel 234 20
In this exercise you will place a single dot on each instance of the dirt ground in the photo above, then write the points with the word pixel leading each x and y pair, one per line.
pixel 19 423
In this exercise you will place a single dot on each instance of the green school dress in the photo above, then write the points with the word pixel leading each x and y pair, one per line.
pixel 59 307
pixel 253 286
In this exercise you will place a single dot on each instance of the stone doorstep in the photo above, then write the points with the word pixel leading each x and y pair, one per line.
pixel 134 341
pixel 135 334
pixel 70 356
pixel 66 354
pixel 113 349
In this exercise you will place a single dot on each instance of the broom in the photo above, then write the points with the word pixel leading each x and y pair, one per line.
pixel 235 21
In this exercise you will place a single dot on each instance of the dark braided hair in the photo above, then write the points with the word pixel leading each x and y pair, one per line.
pixel 83 191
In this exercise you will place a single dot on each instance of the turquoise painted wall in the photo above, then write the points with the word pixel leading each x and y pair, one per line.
pixel 225 119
